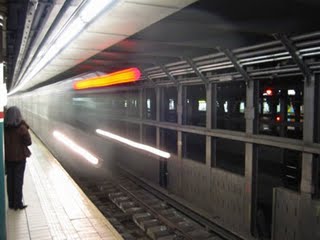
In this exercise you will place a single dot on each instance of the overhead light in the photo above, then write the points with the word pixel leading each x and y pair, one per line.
pixel 264 57
pixel 134 144
pixel 124 76
pixel 266 60
pixel 93 9
pixel 75 147
pixel 310 49
pixel 310 54
pixel 89 11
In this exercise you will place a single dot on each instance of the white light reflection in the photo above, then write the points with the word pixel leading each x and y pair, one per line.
pixel 75 147
pixel 134 144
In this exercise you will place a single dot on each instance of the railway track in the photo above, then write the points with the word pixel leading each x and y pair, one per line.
pixel 139 214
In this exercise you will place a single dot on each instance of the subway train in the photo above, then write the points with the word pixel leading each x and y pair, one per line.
pixel 76 126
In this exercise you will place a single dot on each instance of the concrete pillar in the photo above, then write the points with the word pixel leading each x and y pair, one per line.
pixel 208 124
pixel 158 105
pixel 179 135
pixel 306 187
pixel 308 128
pixel 249 164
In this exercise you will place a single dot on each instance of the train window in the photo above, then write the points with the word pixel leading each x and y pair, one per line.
pixel 131 99
pixel 230 106
pixel 195 106
pixel 150 104
pixel 194 147
pixel 281 108
pixel 168 140
pixel 228 155
pixel 149 135
pixel 169 104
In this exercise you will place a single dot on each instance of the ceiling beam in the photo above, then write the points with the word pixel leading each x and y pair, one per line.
pixel 295 54
pixel 236 64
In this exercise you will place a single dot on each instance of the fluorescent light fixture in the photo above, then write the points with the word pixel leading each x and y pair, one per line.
pixel 266 60
pixel 91 9
pixel 216 68
pixel 75 147
pixel 263 57
pixel 134 144
pixel 310 49
pixel 215 65
pixel 310 54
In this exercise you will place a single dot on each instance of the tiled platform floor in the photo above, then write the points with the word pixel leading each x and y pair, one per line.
pixel 57 208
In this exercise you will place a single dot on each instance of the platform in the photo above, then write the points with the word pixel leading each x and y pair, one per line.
pixel 57 207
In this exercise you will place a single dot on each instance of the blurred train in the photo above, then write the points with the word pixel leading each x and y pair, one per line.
pixel 67 120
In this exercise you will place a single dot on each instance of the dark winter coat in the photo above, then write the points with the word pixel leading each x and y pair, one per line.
pixel 16 140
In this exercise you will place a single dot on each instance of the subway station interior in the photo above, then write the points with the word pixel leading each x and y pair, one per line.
pixel 209 106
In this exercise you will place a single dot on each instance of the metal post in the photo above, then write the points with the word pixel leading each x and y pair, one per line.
pixel 3 96
pixel 163 173
pixel 307 162
pixel 208 124
pixel 141 107
pixel 249 161
pixel 179 136
pixel 308 131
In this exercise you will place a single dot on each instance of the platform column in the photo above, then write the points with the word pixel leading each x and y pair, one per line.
pixel 306 186
pixel 209 124
pixel 3 102
pixel 3 96
pixel 249 160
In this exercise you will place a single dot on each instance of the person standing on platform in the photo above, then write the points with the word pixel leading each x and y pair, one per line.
pixel 16 141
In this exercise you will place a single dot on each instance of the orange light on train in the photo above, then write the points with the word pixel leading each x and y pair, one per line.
pixel 124 76
pixel 269 92
pixel 278 119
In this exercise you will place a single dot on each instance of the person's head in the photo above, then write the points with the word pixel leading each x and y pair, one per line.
pixel 12 117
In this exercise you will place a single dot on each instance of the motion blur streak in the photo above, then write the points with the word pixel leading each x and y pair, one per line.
pixel 124 76
pixel 75 147
pixel 134 144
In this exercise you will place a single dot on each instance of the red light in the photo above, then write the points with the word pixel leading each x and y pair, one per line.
pixel 124 76
pixel 269 92
pixel 278 119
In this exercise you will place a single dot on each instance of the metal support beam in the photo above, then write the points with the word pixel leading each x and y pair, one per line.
pixel 295 54
pixel 236 64
pixel 250 170
pixel 32 8
pixel 165 70
pixel 195 69
pixel 209 124
pixel 308 132
pixel 158 113
pixel 141 107
pixel 147 77
pixel 3 100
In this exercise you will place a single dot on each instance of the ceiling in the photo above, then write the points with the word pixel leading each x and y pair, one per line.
pixel 146 33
